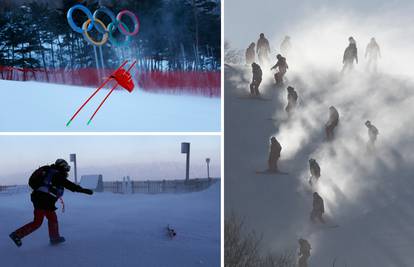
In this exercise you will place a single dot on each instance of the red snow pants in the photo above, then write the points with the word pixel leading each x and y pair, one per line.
pixel 37 222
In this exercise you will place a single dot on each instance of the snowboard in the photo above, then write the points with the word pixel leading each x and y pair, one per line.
pixel 171 233
pixel 255 98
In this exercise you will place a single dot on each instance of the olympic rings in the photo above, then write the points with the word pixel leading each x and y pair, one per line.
pixel 88 38
pixel 72 24
pixel 133 17
pixel 111 29
pixel 107 31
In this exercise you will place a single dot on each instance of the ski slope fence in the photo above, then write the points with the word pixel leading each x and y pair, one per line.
pixel 158 187
pixel 13 189
pixel 203 83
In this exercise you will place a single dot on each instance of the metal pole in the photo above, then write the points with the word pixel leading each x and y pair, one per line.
pixel 187 169
pixel 208 170
pixel 97 63
pixel 76 172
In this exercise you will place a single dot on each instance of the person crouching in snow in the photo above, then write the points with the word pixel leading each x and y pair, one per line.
pixel 315 171
pixel 332 123
pixel 318 208
pixel 48 184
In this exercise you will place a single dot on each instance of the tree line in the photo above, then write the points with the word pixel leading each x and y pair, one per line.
pixel 174 35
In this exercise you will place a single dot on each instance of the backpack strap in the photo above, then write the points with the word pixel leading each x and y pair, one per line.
pixel 47 184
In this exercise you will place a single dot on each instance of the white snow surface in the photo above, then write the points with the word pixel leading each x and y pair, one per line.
pixel 368 195
pixel 117 230
pixel 34 106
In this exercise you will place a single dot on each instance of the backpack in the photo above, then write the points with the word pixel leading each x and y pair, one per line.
pixel 38 177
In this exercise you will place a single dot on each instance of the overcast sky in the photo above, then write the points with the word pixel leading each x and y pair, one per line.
pixel 246 19
pixel 141 157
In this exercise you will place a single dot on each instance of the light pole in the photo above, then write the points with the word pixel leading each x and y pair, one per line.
pixel 185 149
pixel 73 159
pixel 208 167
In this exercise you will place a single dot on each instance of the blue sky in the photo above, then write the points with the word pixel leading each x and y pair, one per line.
pixel 141 157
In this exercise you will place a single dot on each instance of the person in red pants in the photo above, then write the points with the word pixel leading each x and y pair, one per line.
pixel 48 184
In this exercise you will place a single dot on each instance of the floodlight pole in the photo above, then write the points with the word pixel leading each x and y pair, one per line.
pixel 73 159
pixel 185 149
pixel 208 167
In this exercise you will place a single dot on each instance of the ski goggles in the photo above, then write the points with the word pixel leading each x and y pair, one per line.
pixel 107 31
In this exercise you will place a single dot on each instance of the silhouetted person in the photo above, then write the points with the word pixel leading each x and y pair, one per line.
pixel 263 50
pixel 274 155
pixel 373 53
pixel 332 123
pixel 250 54
pixel 304 252
pixel 350 55
pixel 282 67
pixel 318 208
pixel 292 98
pixel 257 79
pixel 285 46
pixel 372 134
pixel 315 171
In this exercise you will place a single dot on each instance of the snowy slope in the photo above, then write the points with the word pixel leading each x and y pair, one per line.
pixel 118 230
pixel 368 195
pixel 32 106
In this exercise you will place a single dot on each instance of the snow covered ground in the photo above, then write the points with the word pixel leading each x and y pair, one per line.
pixel 32 106
pixel 368 195
pixel 118 230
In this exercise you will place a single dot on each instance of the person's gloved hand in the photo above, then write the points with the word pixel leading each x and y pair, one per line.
pixel 86 191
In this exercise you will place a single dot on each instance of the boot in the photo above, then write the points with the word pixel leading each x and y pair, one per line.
pixel 16 239
pixel 57 241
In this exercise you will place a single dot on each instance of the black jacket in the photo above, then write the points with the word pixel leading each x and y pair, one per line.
pixel 46 201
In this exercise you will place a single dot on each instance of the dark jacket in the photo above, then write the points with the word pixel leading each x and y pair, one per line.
pixel 45 201
pixel 351 54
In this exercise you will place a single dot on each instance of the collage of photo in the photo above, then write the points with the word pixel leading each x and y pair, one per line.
pixel 216 133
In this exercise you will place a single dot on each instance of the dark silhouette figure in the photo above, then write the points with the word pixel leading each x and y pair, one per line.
pixel 274 155
pixel 282 67
pixel 304 252
pixel 285 46
pixel 292 98
pixel 318 208
pixel 373 53
pixel 315 171
pixel 53 181
pixel 250 54
pixel 256 81
pixel 332 123
pixel 350 55
pixel 372 134
pixel 263 50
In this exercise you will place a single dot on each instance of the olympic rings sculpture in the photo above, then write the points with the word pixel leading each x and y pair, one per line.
pixel 106 31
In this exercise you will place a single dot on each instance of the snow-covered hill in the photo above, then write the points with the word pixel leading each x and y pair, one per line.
pixel 118 230
pixel 33 106
pixel 368 195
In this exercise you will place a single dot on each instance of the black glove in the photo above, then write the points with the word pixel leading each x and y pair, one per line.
pixel 86 191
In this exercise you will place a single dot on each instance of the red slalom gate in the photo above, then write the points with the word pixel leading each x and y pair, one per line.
pixel 205 83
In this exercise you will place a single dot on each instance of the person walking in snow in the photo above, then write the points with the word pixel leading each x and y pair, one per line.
pixel 256 81
pixel 263 50
pixel 350 55
pixel 304 252
pixel 318 208
pixel 48 184
pixel 315 171
pixel 282 67
pixel 250 54
pixel 274 154
pixel 332 123
pixel 372 134
pixel 373 53
pixel 285 46
pixel 292 98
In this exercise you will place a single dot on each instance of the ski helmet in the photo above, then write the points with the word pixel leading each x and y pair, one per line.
pixel 62 164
